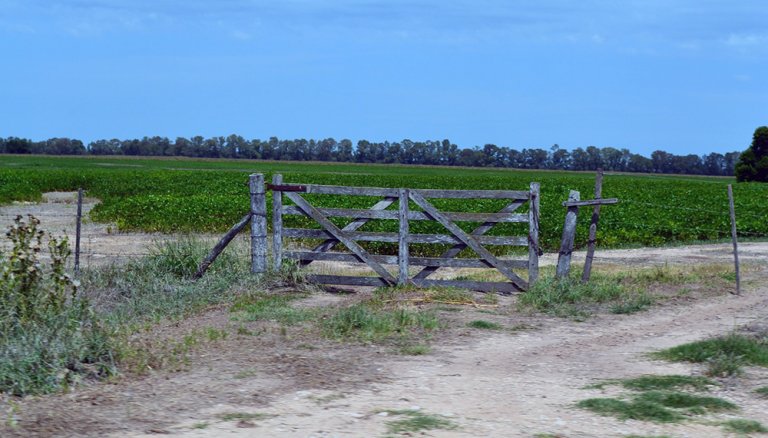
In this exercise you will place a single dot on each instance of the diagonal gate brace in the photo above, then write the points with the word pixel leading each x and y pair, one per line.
pixel 468 240
pixel 340 235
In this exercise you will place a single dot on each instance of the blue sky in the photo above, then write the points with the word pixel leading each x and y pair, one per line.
pixel 679 75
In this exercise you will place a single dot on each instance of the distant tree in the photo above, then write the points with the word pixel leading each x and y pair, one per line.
pixel 753 163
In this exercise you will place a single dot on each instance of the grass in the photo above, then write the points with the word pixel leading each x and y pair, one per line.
pixel 570 298
pixel 762 391
pixel 742 426
pixel 725 355
pixel 657 406
pixel 417 421
pixel 415 350
pixel 262 306
pixel 484 325
pixel 365 322
pixel 664 382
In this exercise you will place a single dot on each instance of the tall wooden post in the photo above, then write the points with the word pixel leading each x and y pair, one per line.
pixel 277 223
pixel 403 255
pixel 593 228
pixel 533 235
pixel 258 224
pixel 733 236
pixel 569 234
pixel 77 230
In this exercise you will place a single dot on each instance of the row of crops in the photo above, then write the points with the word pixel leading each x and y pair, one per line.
pixel 176 195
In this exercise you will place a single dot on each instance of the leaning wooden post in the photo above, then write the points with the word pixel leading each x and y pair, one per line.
pixel 533 235
pixel 258 224
pixel 593 228
pixel 277 223
pixel 77 230
pixel 223 242
pixel 402 255
pixel 569 234
pixel 733 236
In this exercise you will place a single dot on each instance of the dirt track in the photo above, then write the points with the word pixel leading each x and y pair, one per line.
pixel 501 384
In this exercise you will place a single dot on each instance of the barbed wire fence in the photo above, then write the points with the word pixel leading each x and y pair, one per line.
pixel 92 244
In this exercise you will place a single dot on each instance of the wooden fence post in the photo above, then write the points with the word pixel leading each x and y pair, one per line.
pixel 533 235
pixel 593 228
pixel 258 224
pixel 403 255
pixel 569 234
pixel 277 223
pixel 733 236
pixel 77 230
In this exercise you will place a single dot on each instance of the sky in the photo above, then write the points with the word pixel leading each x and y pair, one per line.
pixel 685 76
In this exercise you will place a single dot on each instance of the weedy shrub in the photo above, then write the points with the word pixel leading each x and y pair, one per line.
pixel 49 336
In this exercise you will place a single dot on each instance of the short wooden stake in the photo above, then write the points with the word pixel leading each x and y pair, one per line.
pixel 593 229
pixel 258 224
pixel 77 230
pixel 735 243
pixel 569 234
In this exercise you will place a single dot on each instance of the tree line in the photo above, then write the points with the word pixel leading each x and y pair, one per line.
pixel 427 152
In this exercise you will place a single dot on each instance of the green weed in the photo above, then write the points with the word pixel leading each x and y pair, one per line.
pixel 762 391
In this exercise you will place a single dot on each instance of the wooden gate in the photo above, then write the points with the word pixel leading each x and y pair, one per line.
pixel 349 237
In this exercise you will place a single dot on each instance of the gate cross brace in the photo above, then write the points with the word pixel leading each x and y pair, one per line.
pixel 453 251
pixel 467 239
pixel 341 236
pixel 329 244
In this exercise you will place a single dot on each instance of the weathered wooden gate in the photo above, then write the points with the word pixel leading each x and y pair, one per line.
pixel 348 235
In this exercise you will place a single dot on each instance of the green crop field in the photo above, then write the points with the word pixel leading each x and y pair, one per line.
pixel 189 195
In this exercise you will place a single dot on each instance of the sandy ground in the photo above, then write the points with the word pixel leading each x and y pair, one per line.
pixel 510 383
